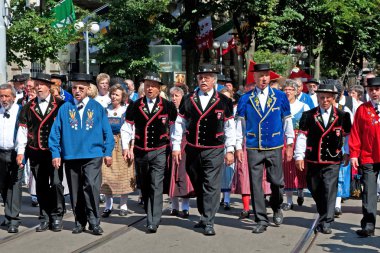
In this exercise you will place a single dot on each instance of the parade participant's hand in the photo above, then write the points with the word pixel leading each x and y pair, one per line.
pixel 300 165
pixel 128 154
pixel 346 159
pixel 355 165
pixel 19 159
pixel 108 161
pixel 56 163
pixel 229 158
pixel 239 155
pixel 289 152
pixel 177 157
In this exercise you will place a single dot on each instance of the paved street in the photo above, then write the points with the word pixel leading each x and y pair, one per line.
pixel 176 234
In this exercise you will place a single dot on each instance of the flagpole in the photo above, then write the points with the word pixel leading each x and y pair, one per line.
pixel 87 53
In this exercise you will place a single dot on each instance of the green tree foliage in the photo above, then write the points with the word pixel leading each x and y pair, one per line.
pixel 280 63
pixel 31 36
pixel 124 50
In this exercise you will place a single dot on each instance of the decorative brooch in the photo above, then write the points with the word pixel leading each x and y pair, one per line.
pixel 269 102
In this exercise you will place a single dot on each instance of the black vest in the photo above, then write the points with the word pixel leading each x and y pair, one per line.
pixel 39 125
pixel 324 144
pixel 151 129
pixel 206 128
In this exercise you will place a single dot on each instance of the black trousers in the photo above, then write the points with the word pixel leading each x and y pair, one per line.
pixel 272 160
pixel 370 173
pixel 84 177
pixel 10 186
pixel 322 181
pixel 150 168
pixel 204 169
pixel 49 186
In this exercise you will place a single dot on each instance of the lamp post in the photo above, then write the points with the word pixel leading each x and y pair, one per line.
pixel 92 27
pixel 217 45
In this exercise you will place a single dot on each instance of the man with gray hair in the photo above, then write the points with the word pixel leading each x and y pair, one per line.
pixel 208 117
pixel 10 173
pixel 133 95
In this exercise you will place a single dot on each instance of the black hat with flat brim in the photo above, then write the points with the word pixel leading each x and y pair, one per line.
pixel 207 68
pixel 313 80
pixel 20 78
pixel 222 78
pixel 60 77
pixel 261 67
pixel 154 77
pixel 80 77
pixel 42 77
pixel 373 82
pixel 327 88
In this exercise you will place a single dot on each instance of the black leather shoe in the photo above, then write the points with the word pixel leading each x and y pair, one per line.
pixel 323 230
pixel 244 215
pixel 151 229
pixel 123 212
pixel 278 217
pixel 227 206
pixel 174 212
pixel 56 225
pixel 12 229
pixel 43 226
pixel 4 224
pixel 259 228
pixel 200 225
pixel 287 206
pixel 96 229
pixel 185 213
pixel 222 202
pixel 106 213
pixel 78 229
pixel 209 230
pixel 365 232
pixel 34 203
pixel 337 211
pixel 300 201
pixel 141 202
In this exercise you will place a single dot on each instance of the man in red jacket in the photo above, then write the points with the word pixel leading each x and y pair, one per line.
pixel 364 146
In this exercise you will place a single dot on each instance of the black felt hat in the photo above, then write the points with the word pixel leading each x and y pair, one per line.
pixel 222 78
pixel 43 77
pixel 80 77
pixel 327 88
pixel 313 80
pixel 261 67
pixel 20 78
pixel 372 82
pixel 58 76
pixel 207 68
pixel 153 77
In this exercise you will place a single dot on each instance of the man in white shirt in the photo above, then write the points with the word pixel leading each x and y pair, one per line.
pixel 320 143
pixel 207 117
pixel 312 86
pixel 36 119
pixel 10 173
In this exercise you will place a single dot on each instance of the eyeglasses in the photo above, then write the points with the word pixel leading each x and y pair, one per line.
pixel 80 88
pixel 206 77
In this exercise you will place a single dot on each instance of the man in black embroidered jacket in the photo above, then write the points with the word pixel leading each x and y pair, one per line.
pixel 145 138
pixel 36 119
pixel 321 144
pixel 207 117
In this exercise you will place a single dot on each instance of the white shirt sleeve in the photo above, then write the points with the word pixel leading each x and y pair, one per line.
pixel 288 130
pixel 230 133
pixel 21 140
pixel 127 133
pixel 299 151
pixel 240 130
pixel 177 132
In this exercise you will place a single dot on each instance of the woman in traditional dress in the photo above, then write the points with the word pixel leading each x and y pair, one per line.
pixel 295 180
pixel 119 179
pixel 180 185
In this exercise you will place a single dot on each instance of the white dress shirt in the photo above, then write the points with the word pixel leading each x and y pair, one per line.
pixel 43 104
pixel 7 127
pixel 181 125
pixel 263 96
pixel 81 106
pixel 151 103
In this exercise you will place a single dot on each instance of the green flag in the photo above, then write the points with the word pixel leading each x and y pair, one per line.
pixel 64 13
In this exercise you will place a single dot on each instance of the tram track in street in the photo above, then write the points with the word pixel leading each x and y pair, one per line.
pixel 308 238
